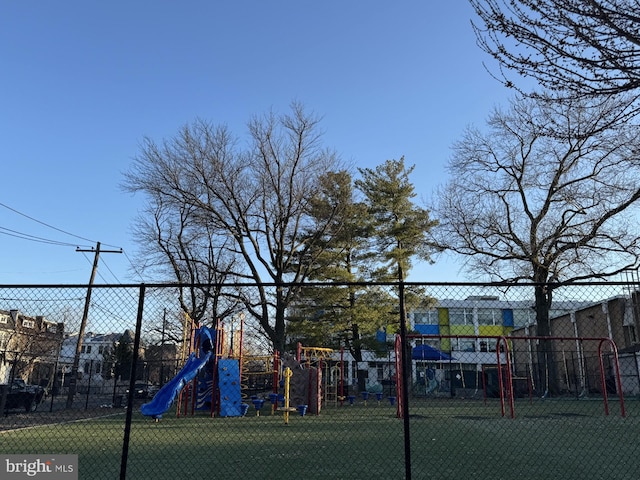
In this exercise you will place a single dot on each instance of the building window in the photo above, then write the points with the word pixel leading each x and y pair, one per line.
pixel 427 317
pixel 488 345
pixel 88 348
pixel 489 316
pixel 463 344
pixel 460 316
pixel 633 337
pixel 4 318
pixel 28 323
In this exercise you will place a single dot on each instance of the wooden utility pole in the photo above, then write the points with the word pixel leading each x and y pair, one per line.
pixel 73 381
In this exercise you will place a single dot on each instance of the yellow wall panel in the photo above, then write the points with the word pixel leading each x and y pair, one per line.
pixel 491 330
pixel 443 321
pixel 462 330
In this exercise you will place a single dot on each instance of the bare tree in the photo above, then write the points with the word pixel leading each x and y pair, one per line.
pixel 256 197
pixel 179 246
pixel 548 194
pixel 577 46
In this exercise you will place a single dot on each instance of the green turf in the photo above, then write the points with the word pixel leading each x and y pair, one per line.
pixel 456 439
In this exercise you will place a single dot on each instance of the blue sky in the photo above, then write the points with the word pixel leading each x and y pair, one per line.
pixel 83 82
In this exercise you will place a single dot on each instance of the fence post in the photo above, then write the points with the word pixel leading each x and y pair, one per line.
pixel 132 383
pixel 406 377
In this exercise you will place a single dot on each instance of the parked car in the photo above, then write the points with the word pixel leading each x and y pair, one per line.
pixel 21 395
pixel 144 390
pixel 153 389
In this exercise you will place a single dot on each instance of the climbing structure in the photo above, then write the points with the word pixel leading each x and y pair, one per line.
pixel 311 381
pixel 210 378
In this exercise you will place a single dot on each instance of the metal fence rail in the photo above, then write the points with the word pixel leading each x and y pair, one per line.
pixel 485 396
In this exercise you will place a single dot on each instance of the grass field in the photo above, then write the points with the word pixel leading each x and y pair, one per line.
pixel 450 439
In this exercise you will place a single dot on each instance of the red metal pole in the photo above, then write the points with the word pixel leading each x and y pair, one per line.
pixel 500 382
pixel 603 379
pixel 194 382
pixel 240 347
pixel 509 376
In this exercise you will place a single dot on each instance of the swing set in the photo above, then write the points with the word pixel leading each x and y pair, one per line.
pixel 506 372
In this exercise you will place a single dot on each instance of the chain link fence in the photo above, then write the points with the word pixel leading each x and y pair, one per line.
pixel 467 388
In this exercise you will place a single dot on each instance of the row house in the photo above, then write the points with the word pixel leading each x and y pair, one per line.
pixel 95 355
pixel 29 347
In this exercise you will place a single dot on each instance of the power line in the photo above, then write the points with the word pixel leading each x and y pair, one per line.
pixel 41 239
pixel 33 238
pixel 110 271
pixel 45 224
pixel 133 266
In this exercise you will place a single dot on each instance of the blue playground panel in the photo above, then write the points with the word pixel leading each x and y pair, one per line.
pixel 204 390
pixel 229 385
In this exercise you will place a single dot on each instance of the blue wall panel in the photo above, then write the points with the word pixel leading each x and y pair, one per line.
pixel 428 329
pixel 507 317
pixel 229 385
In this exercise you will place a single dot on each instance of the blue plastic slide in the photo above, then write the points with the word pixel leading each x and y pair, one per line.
pixel 162 400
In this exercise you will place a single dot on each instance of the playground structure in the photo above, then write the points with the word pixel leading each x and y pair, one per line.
pixel 206 381
pixel 284 381
pixel 322 383
pixel 219 378
pixel 209 379
pixel 331 378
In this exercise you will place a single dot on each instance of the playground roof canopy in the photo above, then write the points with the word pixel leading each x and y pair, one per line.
pixel 426 352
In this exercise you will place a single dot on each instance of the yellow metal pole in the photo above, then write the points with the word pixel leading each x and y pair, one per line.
pixel 287 378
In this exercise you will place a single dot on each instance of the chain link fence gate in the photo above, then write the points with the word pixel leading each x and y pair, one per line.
pixel 483 395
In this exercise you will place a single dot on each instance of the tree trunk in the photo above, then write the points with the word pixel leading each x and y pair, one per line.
pixel 279 337
pixel 362 374
pixel 278 333
pixel 547 378
pixel 355 341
